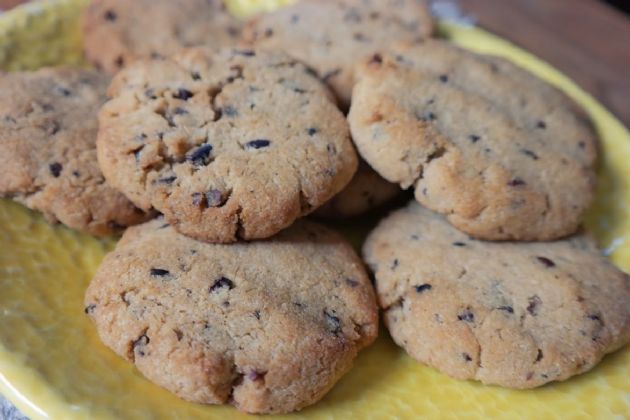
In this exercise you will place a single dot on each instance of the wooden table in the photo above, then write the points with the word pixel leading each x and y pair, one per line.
pixel 586 39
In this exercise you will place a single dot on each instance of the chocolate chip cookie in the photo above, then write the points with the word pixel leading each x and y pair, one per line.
pixel 332 36
pixel 513 314
pixel 231 145
pixel 48 126
pixel 268 326
pixel 501 153
pixel 367 191
pixel 115 32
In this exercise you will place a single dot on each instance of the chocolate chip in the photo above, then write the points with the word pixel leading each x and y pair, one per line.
pixel 64 92
pixel 443 78
pixel 214 198
pixel 516 182
pixel 459 244
pixel 183 94
pixel 221 283
pixel 90 308
pixel 596 318
pixel 229 111
pixel 257 314
pixel 257 144
pixel 423 288
pixel 474 138
pixel 167 180
pixel 159 272
pixel 76 174
pixel 311 131
pixel 426 116
pixel 201 155
pixel 507 309
pixel 467 357
pixel 533 303
pixel 394 264
pixel 352 283
pixel 334 324
pixel 546 262
pixel 466 316
pixel 541 124
pixel 120 61
pixel 178 334
pixel 539 356
pixel 530 154
pixel 110 15
pixel 139 344
pixel 55 169
pixel 244 53
pixel 195 75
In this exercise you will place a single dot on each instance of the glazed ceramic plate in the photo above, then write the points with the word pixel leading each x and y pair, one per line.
pixel 52 365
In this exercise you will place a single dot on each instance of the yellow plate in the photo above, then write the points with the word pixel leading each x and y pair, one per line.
pixel 53 366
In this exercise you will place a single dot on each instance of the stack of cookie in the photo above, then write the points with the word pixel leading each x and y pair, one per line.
pixel 227 134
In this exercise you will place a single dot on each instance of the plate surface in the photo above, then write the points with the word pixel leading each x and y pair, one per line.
pixel 52 365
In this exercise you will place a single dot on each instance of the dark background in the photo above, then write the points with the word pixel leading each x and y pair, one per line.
pixel 621 4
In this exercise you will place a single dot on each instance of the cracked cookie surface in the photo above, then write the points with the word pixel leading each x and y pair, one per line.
pixel 268 326
pixel 503 154
pixel 236 144
pixel 511 314
pixel 48 127
pixel 333 36
pixel 116 32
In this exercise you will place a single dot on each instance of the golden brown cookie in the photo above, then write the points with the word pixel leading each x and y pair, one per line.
pixel 501 153
pixel 48 125
pixel 268 326
pixel 332 36
pixel 513 314
pixel 116 32
pixel 232 145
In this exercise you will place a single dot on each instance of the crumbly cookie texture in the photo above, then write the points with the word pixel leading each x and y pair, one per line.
pixel 48 126
pixel 513 314
pixel 501 153
pixel 116 32
pixel 268 326
pixel 333 36
pixel 367 191
pixel 236 144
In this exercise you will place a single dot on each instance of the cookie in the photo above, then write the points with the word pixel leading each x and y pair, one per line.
pixel 48 126
pixel 513 314
pixel 503 154
pixel 231 145
pixel 116 32
pixel 268 326
pixel 332 36
pixel 367 191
